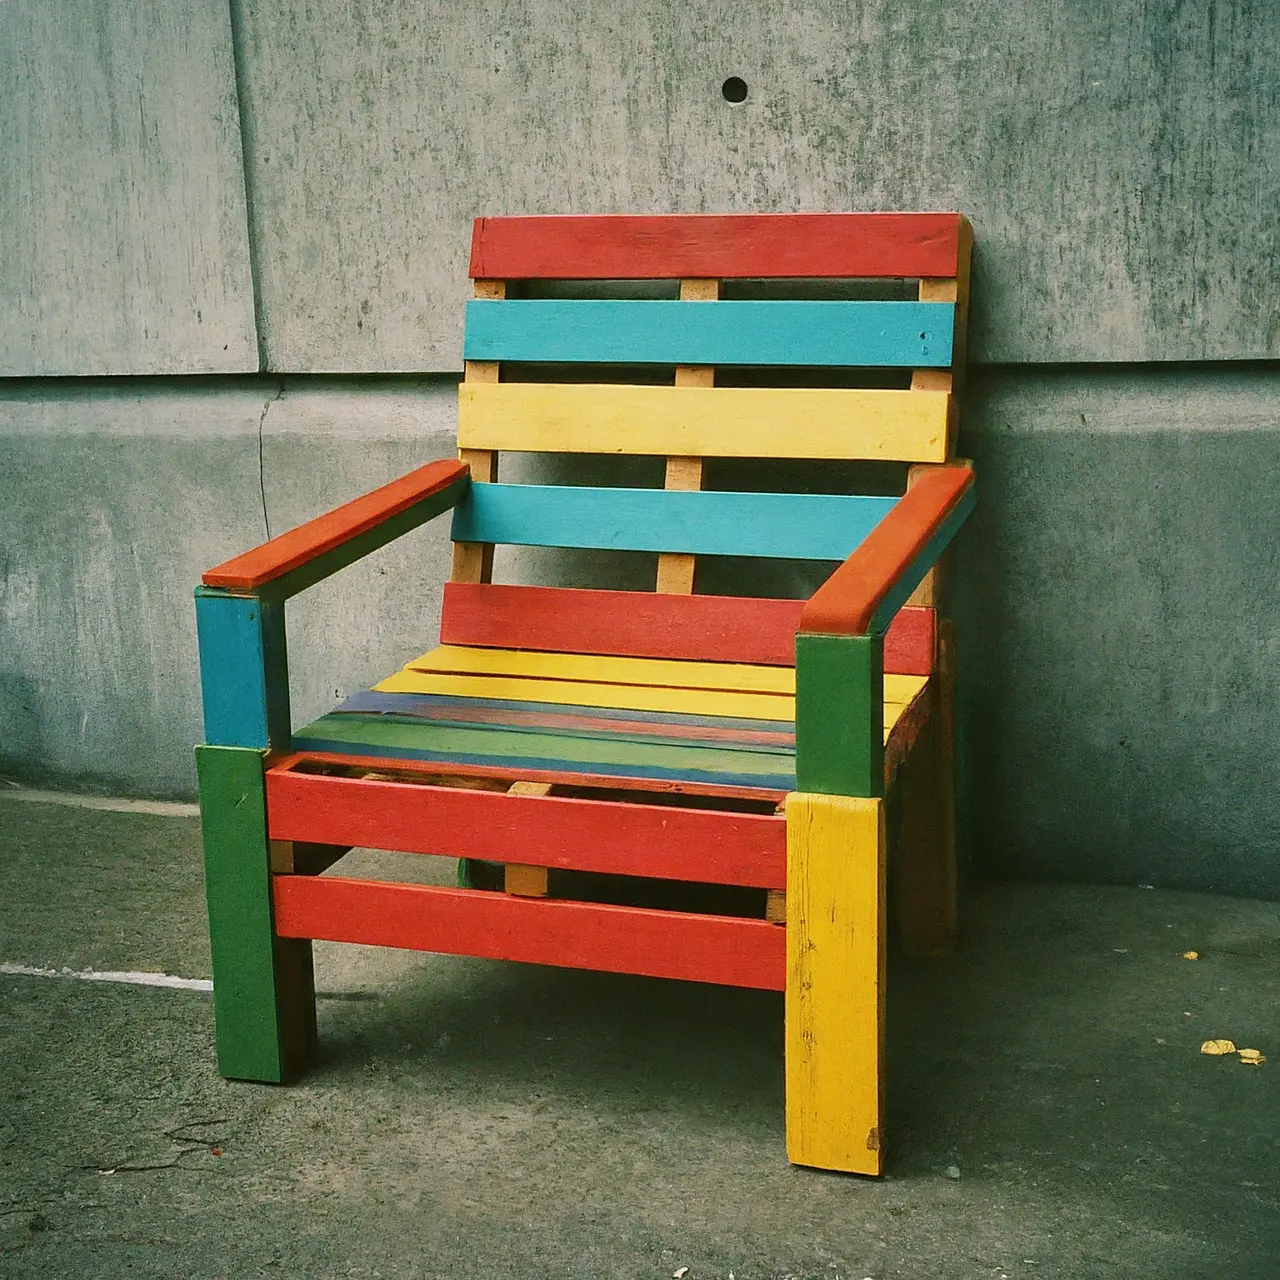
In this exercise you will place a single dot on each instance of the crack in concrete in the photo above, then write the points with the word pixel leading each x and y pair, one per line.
pixel 262 470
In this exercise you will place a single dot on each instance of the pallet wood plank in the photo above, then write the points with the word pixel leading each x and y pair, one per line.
pixel 867 590
pixel 839 715
pixel 302 556
pixel 760 246
pixel 244 682
pixel 264 1005
pixel 805 526
pixel 708 422
pixel 835 1002
pixel 614 331
pixel 643 625
pixel 576 935
pixel 615 838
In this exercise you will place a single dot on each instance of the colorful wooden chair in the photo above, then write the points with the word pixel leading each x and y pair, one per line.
pixel 633 736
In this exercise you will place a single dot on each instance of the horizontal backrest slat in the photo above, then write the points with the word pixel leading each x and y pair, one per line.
pixel 724 422
pixel 841 334
pixel 642 624
pixel 754 246
pixel 799 526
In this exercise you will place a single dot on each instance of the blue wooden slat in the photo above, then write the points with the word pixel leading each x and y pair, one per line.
pixel 898 334
pixel 244 682
pixel 788 526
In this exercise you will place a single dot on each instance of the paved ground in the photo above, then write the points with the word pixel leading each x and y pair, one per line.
pixel 1051 1113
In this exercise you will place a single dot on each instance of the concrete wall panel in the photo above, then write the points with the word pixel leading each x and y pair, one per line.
pixel 116 499
pixel 123 237
pixel 1121 628
pixel 1121 162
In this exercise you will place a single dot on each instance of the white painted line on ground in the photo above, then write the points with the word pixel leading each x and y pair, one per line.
pixel 132 977
pixel 110 804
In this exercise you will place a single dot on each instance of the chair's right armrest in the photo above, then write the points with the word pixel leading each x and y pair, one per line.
pixel 298 559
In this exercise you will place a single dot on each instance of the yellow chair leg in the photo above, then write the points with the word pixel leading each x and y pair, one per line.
pixel 835 998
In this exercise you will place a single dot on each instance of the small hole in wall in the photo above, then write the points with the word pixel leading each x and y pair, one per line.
pixel 734 89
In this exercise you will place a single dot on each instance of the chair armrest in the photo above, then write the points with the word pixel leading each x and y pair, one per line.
pixel 292 561
pixel 865 592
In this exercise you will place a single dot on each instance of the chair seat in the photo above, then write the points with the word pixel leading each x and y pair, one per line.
pixel 711 723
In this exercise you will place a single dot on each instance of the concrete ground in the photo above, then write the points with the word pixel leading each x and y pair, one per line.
pixel 1051 1114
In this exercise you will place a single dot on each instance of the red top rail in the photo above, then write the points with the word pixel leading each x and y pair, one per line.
pixel 718 246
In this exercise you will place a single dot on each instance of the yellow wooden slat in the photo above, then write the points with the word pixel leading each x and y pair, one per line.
pixel 699 702
pixel 626 697
pixel 656 672
pixel 835 998
pixel 732 422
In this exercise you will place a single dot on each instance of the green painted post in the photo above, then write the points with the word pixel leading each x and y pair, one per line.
pixel 840 714
pixel 263 993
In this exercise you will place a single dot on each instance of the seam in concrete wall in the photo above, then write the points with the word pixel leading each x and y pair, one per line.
pixel 262 470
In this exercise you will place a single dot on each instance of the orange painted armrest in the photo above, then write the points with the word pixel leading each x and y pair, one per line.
pixel 318 537
pixel 875 581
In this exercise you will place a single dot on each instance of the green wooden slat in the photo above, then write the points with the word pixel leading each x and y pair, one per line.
pixel 263 1005
pixel 840 714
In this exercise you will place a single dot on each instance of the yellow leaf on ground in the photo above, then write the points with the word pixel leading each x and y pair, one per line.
pixel 1252 1056
pixel 1191 955
pixel 1217 1048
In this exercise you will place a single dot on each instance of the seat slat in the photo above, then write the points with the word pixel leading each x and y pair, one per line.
pixel 835 334
pixel 798 526
pixel 723 422
pixel 755 246
pixel 610 670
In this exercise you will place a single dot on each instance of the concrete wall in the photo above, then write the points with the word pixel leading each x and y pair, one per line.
pixel 1121 166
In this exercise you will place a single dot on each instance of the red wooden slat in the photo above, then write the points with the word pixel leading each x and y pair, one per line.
pixel 308 541
pixel 575 935
pixel 518 772
pixel 756 246
pixel 845 603
pixel 663 842
pixel 646 624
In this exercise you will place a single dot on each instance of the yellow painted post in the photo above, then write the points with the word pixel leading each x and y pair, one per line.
pixel 835 999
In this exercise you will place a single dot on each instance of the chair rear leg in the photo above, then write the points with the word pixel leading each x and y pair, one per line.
pixel 924 862
pixel 263 987
pixel 835 998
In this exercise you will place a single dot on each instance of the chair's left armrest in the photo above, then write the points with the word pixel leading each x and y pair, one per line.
pixel 864 593
pixel 298 559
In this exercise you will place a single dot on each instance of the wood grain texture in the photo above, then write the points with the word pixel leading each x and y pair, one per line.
pixel 629 247
pixel 662 841
pixel 841 334
pixel 835 1003
pixel 264 1007
pixel 124 245
pixel 642 625
pixel 735 422
pixel 316 548
pixel 575 935
pixel 839 715
pixel 244 678
pixel 877 579
pixel 805 526
pixel 551 668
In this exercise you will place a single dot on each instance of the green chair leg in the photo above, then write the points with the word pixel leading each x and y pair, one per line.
pixel 263 988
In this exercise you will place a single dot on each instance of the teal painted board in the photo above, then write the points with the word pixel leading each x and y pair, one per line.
pixel 244 683
pixel 840 714
pixel 786 526
pixel 928 557
pixel 899 334
pixel 263 1028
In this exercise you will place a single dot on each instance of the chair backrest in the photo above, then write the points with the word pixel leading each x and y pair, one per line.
pixel 782 336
